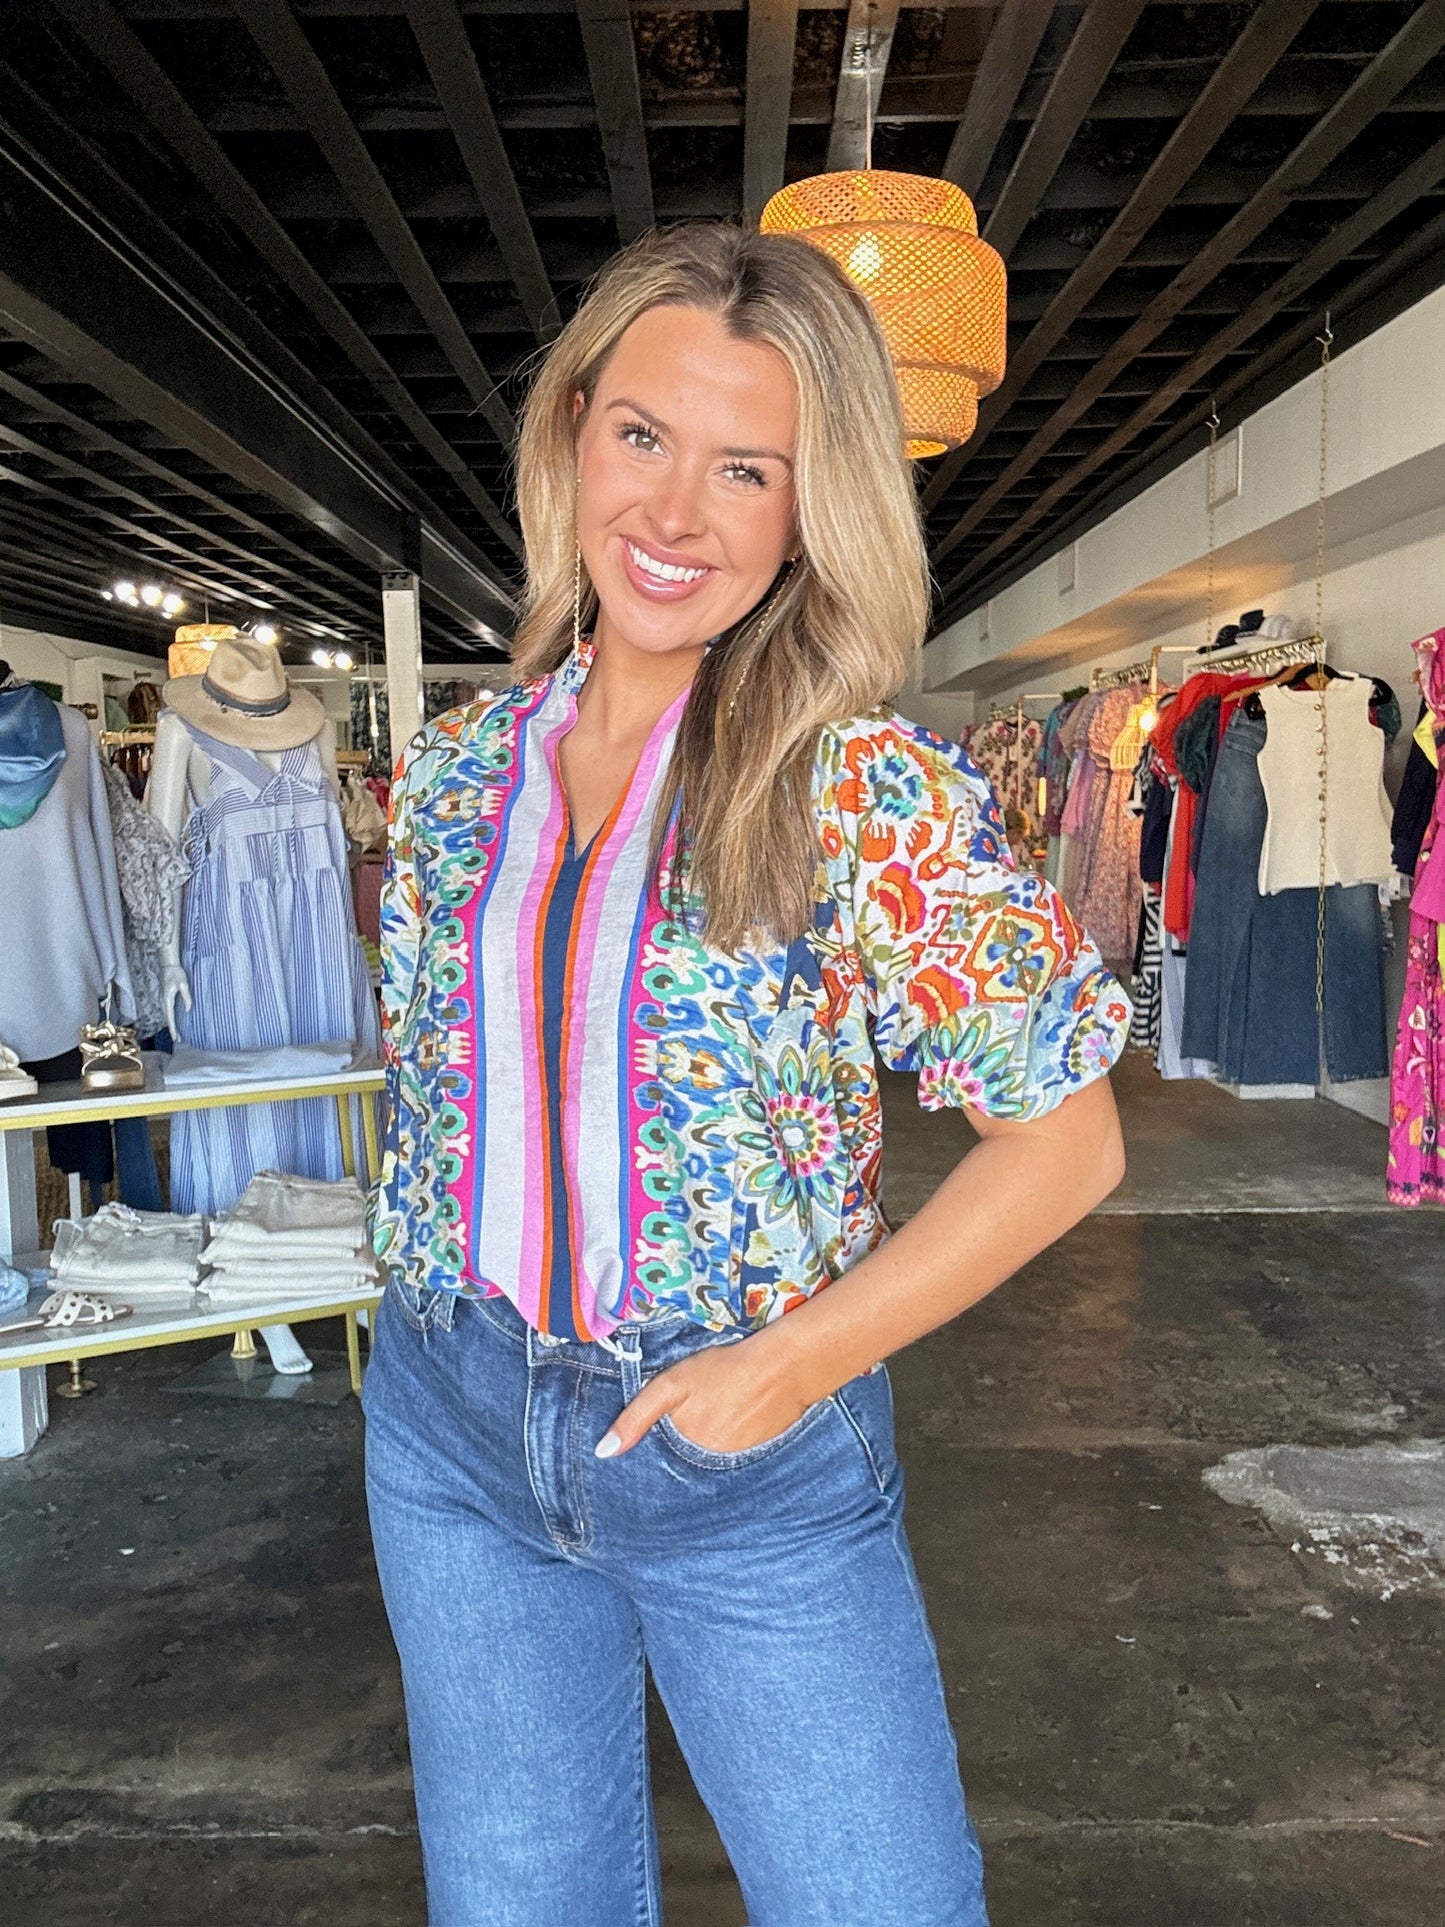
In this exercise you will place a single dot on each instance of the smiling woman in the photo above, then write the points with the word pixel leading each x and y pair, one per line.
pixel 648 916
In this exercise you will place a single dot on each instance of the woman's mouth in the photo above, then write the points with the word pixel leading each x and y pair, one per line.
pixel 659 580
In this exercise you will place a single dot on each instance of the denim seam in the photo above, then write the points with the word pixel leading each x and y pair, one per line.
pixel 861 1436
pixel 575 1448
pixel 649 1909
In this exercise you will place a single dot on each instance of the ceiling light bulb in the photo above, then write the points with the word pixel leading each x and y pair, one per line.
pixel 151 595
pixel 343 660
pixel 107 596
pixel 126 591
pixel 263 632
pixel 866 260
pixel 322 658
pixel 173 605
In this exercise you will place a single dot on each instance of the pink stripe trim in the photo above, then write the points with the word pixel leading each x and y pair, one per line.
pixel 531 918
pixel 585 931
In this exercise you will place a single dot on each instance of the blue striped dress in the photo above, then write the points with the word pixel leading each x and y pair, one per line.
pixel 269 943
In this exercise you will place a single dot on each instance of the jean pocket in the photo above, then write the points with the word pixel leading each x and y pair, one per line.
pixel 699 1455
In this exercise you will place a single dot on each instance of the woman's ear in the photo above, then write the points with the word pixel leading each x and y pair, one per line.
pixel 579 406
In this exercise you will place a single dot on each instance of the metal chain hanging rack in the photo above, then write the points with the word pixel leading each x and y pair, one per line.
pixel 1326 341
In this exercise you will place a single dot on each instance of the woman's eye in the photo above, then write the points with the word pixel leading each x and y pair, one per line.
pixel 744 472
pixel 639 437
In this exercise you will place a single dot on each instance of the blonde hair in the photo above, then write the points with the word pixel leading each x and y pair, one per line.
pixel 837 637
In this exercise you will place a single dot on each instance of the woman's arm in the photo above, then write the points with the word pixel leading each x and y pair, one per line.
pixel 1020 1188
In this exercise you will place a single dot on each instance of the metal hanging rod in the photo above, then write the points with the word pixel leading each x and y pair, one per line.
pixel 1301 649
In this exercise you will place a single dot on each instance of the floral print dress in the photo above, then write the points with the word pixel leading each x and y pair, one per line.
pixel 1416 1171
pixel 711 1121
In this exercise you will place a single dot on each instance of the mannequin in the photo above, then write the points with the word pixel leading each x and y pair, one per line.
pixel 181 769
pixel 263 947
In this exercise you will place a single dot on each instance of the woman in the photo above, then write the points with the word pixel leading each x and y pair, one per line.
pixel 646 915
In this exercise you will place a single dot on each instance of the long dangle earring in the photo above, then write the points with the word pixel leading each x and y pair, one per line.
pixel 577 600
pixel 742 679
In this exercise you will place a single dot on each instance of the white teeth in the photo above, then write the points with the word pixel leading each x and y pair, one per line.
pixel 661 571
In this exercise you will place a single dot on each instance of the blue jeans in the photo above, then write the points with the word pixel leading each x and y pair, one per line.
pixel 1249 996
pixel 771 1592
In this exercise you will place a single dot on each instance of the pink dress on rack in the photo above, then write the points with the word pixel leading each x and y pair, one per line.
pixel 1416 1173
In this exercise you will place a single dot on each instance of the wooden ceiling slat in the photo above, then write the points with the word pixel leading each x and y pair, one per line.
pixel 1007 57
pixel 1386 206
pixel 130 63
pixel 772 39
pixel 1417 41
pixel 1096 44
pixel 612 64
pixel 451 61
pixel 1266 37
pixel 305 80
pixel 867 44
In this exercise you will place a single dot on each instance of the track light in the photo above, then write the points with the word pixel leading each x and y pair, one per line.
pixel 322 658
pixel 172 605
pixel 342 660
pixel 151 595
pixel 263 632
pixel 125 591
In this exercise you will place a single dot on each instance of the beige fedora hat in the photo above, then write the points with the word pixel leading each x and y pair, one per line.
pixel 244 698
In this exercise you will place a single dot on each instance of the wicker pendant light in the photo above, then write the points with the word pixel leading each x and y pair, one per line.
pixel 911 245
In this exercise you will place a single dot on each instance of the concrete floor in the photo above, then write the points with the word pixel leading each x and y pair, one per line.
pixel 1171 1713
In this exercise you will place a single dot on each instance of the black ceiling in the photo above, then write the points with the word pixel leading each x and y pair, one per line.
pixel 271 274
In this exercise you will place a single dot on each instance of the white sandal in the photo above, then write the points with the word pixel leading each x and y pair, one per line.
pixel 64 1309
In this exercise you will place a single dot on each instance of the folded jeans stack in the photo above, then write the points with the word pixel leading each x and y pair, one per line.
pixel 144 1257
pixel 289 1237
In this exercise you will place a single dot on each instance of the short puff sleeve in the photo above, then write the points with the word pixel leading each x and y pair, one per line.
pixel 976 976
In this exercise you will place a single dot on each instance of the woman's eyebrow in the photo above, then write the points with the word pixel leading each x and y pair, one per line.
pixel 736 454
pixel 636 408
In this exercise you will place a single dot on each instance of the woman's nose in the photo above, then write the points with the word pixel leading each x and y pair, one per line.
pixel 676 507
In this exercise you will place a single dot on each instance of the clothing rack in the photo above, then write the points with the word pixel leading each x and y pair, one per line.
pixel 1119 678
pixel 1302 649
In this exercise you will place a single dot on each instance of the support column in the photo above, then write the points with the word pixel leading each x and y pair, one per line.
pixel 401 627
pixel 24 1410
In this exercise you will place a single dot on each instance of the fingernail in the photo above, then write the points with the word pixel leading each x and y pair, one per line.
pixel 609 1446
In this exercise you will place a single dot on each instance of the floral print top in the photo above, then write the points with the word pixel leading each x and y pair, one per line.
pixel 700 1130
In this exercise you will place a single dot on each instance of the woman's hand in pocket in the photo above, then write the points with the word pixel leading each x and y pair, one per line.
pixel 727 1399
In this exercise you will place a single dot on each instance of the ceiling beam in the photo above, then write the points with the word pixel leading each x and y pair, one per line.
pixel 1407 187
pixel 767 100
pixel 315 562
pixel 1395 278
pixel 150 327
pixel 130 63
pixel 1007 57
pixel 250 572
pixel 1092 51
pixel 612 67
pixel 1394 67
pixel 1266 36
pixel 867 44
pixel 283 41
pixel 451 60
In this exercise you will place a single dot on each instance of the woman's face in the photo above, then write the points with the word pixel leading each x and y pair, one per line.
pixel 685 490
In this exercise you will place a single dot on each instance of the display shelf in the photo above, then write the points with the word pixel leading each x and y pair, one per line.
pixel 24 1354
pixel 174 1325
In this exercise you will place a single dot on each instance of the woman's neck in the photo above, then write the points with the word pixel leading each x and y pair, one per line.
pixel 627 688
